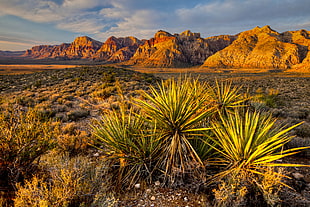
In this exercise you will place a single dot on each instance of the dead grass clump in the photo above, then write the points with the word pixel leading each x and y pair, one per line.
pixel 24 136
pixel 72 140
pixel 68 182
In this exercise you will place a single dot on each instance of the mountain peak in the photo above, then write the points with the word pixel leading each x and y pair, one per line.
pixel 188 33
pixel 162 33
pixel 85 41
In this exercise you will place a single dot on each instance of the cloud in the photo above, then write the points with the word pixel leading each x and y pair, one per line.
pixel 67 12
pixel 241 14
pixel 142 18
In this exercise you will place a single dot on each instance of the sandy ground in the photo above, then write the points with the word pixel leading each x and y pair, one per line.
pixel 24 69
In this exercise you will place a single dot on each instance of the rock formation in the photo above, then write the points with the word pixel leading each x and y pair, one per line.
pixel 178 50
pixel 255 48
pixel 81 48
pixel 260 48
pixel 118 49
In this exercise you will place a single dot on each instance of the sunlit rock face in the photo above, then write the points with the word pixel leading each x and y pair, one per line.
pixel 81 48
pixel 260 47
pixel 118 49
pixel 263 48
pixel 178 50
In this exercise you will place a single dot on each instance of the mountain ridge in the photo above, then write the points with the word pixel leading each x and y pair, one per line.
pixel 260 47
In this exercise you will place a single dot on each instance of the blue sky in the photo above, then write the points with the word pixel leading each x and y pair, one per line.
pixel 25 23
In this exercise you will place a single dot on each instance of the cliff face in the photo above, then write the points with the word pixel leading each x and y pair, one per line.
pixel 261 48
pixel 118 49
pixel 256 48
pixel 80 48
pixel 302 39
pixel 47 51
pixel 178 50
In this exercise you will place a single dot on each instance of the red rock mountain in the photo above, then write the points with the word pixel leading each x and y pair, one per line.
pixel 178 50
pixel 255 48
pixel 262 48
pixel 118 49
pixel 81 48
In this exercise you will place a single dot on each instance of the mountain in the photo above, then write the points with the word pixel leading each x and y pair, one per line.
pixel 262 48
pixel 81 48
pixel 118 49
pixel 178 50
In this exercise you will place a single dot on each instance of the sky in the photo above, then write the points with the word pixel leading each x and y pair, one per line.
pixel 25 23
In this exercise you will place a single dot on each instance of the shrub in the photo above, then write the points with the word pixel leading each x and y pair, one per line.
pixel 249 143
pixel 24 136
pixel 74 181
pixel 178 110
pixel 133 150
pixel 72 140
pixel 77 114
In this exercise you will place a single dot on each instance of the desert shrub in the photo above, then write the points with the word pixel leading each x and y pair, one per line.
pixel 103 92
pixel 24 136
pixel 108 77
pixel 250 189
pixel 226 97
pixel 249 144
pixel 178 108
pixel 268 99
pixel 72 140
pixel 133 150
pixel 74 181
pixel 77 114
pixel 25 101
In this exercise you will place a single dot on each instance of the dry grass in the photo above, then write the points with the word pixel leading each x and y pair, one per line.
pixel 62 94
pixel 26 69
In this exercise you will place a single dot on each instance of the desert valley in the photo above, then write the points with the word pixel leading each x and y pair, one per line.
pixel 175 120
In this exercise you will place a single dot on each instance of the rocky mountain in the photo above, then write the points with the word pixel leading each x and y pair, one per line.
pixel 260 47
pixel 118 49
pixel 178 50
pixel 263 48
pixel 81 48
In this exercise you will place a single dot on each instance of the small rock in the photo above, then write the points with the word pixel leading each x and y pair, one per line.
pixel 157 183
pixel 137 185
pixel 148 191
pixel 153 198
pixel 141 202
pixel 185 199
pixel 298 176
pixel 96 154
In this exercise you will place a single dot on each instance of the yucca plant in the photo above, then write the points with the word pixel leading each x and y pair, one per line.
pixel 127 141
pixel 227 97
pixel 179 108
pixel 250 141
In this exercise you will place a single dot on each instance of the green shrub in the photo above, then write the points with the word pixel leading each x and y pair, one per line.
pixel 249 143
pixel 125 141
pixel 178 109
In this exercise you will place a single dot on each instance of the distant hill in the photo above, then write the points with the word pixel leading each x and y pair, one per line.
pixel 11 53
pixel 264 48
pixel 260 47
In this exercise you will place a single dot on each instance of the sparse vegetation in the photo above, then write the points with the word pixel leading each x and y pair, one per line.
pixel 161 138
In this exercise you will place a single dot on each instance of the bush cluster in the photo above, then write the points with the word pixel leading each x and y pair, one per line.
pixel 179 131
pixel 184 130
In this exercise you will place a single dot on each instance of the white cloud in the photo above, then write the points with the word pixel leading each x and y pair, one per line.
pixel 142 18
